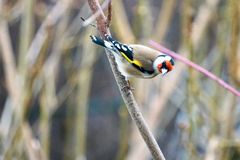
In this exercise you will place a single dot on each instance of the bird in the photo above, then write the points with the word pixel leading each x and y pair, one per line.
pixel 135 60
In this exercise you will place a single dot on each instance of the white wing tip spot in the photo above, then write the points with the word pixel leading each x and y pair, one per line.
pixel 117 45
pixel 130 48
pixel 94 38
pixel 124 48
pixel 108 45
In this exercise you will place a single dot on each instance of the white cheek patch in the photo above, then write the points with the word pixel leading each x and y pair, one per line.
pixel 163 58
pixel 160 59
pixel 168 58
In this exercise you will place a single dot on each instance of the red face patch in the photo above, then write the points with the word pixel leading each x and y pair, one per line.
pixel 169 65
pixel 159 67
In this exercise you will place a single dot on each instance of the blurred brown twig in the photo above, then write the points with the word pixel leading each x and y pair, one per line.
pixel 126 92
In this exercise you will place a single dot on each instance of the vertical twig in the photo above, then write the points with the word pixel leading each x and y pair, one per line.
pixel 142 23
pixel 84 78
pixel 126 92
pixel 8 59
pixel 164 19
pixel 32 147
pixel 119 13
pixel 233 62
pixel 124 134
pixel 42 34
pixel 26 30
pixel 190 87
pixel 109 14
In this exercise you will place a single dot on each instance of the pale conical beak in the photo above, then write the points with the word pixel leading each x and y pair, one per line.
pixel 164 71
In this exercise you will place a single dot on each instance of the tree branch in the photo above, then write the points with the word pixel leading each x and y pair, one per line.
pixel 196 67
pixel 124 89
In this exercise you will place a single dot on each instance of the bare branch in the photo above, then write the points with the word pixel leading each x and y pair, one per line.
pixel 93 17
pixel 8 58
pixel 54 15
pixel 196 67
pixel 109 16
pixel 125 91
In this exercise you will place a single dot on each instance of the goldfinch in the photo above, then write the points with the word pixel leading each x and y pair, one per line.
pixel 136 60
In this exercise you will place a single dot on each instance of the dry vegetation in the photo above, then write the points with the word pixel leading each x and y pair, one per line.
pixel 59 99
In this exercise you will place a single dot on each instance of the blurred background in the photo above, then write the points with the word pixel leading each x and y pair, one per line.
pixel 59 99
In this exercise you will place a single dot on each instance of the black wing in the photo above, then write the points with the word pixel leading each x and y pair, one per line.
pixel 123 48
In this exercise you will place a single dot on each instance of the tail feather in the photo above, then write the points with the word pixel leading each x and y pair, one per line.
pixel 109 38
pixel 101 42
pixel 97 40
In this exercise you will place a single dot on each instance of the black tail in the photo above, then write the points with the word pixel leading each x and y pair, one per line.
pixel 97 40
pixel 113 45
pixel 101 42
pixel 109 38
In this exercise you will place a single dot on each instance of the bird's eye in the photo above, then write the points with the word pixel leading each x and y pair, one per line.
pixel 172 62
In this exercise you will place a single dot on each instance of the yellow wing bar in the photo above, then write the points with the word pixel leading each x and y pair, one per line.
pixel 136 62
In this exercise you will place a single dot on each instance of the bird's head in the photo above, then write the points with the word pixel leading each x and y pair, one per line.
pixel 163 64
